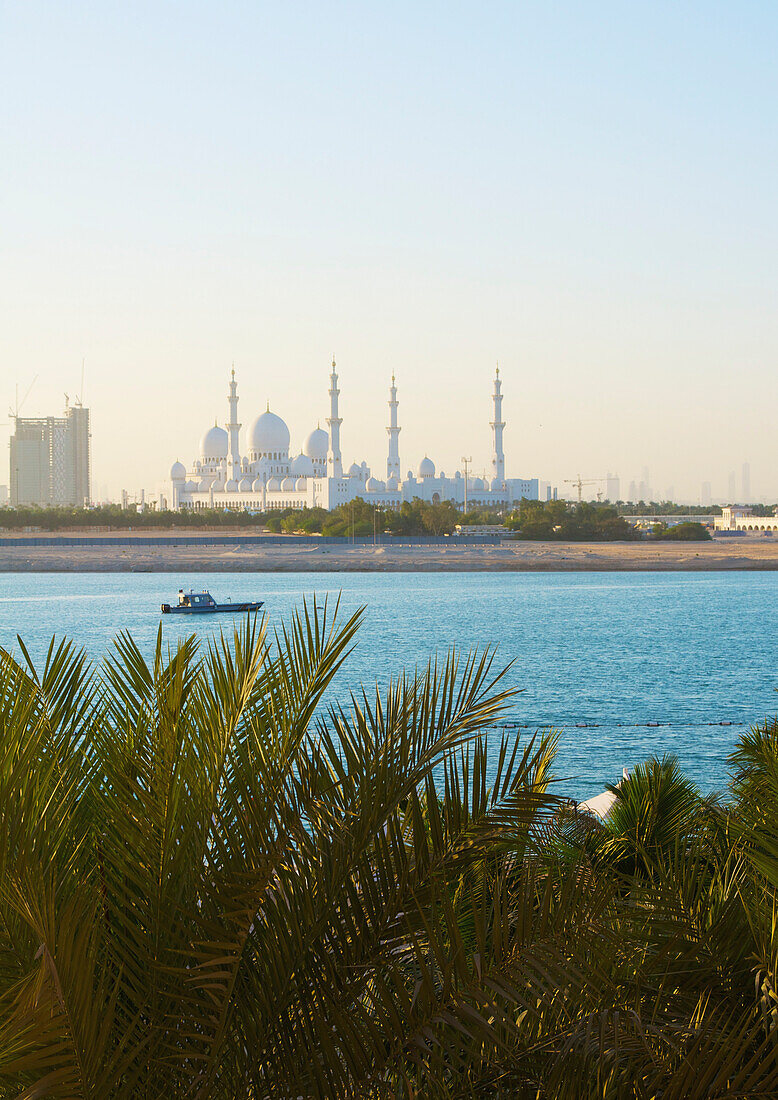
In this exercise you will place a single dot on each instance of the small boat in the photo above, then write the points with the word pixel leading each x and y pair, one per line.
pixel 203 603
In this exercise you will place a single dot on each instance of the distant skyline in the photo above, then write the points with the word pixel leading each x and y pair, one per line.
pixel 584 193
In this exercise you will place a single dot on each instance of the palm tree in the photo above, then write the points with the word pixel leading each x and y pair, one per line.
pixel 655 810
pixel 214 885
pixel 216 882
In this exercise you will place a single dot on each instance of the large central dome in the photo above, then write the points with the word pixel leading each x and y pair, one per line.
pixel 269 435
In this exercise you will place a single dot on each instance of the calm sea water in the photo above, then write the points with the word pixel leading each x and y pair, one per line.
pixel 610 652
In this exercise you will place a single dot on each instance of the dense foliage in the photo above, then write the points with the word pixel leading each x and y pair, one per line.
pixel 359 518
pixel 667 508
pixel 480 515
pixel 356 518
pixel 763 509
pixel 114 516
pixel 214 885
pixel 414 518
pixel 680 532
pixel 556 519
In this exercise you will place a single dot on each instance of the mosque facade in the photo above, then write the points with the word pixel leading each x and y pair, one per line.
pixel 265 475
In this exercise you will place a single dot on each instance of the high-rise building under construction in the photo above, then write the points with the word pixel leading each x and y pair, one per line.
pixel 51 460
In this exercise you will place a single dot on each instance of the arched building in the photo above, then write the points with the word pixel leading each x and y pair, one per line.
pixel 267 476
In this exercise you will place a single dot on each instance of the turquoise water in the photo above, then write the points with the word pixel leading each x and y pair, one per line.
pixel 613 651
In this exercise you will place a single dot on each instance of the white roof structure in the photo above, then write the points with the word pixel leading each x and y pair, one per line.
pixel 602 804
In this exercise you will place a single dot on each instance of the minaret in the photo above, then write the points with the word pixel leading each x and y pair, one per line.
pixel 497 425
pixel 393 461
pixel 233 428
pixel 334 459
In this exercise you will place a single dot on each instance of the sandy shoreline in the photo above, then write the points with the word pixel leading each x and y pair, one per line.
pixel 755 554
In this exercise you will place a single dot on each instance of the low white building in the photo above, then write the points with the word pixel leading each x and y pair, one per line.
pixel 265 476
pixel 734 518
pixel 481 529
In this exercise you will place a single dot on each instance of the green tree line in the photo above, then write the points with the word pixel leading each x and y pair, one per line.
pixel 588 522
pixel 666 508
pixel 556 519
pixel 360 518
pixel 113 516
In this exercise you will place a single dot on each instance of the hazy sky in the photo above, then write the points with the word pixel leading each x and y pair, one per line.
pixel 584 191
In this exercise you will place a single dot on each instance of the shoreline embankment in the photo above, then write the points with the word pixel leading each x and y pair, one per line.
pixel 137 552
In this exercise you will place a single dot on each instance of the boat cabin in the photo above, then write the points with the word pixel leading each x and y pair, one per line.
pixel 195 599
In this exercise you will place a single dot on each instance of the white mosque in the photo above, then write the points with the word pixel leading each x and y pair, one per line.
pixel 266 477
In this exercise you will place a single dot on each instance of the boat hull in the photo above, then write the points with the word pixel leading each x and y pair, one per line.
pixel 168 609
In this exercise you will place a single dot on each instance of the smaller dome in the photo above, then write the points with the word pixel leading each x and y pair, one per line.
pixel 245 485
pixel 287 484
pixel 316 445
pixel 302 466
pixel 354 470
pixel 373 485
pixel 441 475
pixel 393 483
pixel 458 475
pixel 191 486
pixel 214 445
pixel 217 485
pixel 177 471
pixel 231 486
pixel 478 483
pixel 496 484
pixel 274 485
pixel 258 485
pixel 426 467
pixel 301 484
pixel 204 485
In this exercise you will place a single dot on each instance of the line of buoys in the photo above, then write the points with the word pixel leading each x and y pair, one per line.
pixel 617 725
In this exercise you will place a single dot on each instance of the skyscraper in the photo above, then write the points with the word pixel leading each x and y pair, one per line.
pixel 732 488
pixel 645 492
pixel 51 460
pixel 613 488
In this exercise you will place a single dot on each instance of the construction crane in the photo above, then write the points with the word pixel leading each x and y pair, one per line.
pixel 579 483
pixel 18 406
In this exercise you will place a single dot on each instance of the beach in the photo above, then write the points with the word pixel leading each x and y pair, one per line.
pixel 132 554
